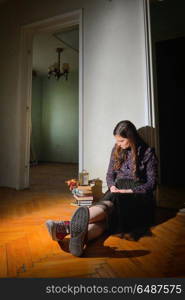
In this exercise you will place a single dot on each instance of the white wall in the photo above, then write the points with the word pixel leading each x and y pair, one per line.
pixel 115 88
pixel 114 75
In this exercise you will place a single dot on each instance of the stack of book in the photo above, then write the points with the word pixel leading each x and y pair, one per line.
pixel 83 196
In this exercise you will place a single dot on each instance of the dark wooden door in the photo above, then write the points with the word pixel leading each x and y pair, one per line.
pixel 170 59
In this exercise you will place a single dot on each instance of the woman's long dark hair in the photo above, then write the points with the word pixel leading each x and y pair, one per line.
pixel 127 129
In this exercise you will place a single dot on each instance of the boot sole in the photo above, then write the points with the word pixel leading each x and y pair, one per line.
pixel 78 229
pixel 51 227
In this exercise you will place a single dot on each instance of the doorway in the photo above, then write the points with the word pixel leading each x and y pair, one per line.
pixel 170 69
pixel 52 26
pixel 168 45
pixel 54 117
pixel 55 108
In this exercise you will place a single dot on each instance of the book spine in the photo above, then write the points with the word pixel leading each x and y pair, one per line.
pixel 82 204
pixel 82 194
pixel 87 202
pixel 86 198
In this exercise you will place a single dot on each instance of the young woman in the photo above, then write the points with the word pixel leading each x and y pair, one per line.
pixel 128 205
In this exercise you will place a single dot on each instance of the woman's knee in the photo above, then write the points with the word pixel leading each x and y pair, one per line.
pixel 107 203
pixel 96 210
pixel 96 229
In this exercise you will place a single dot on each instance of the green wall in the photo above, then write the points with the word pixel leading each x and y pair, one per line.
pixel 56 135
pixel 36 115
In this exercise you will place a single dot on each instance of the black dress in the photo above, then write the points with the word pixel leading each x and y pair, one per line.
pixel 137 209
pixel 130 212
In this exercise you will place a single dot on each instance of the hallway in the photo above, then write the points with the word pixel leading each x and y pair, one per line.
pixel 26 249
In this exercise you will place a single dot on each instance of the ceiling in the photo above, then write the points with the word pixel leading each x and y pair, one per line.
pixel 1 1
pixel 44 50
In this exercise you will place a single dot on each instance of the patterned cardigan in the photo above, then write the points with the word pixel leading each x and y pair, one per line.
pixel 147 169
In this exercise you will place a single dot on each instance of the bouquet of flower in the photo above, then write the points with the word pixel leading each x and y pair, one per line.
pixel 72 183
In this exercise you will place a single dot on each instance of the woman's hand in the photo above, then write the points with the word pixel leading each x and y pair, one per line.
pixel 114 189
pixel 128 191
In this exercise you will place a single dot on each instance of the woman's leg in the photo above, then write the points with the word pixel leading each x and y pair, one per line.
pixel 99 211
pixel 95 230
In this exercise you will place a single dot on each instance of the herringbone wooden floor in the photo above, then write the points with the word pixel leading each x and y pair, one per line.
pixel 26 249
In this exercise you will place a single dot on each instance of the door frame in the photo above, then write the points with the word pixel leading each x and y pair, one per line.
pixel 53 24
pixel 152 105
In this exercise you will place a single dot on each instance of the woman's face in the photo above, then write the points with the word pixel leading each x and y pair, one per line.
pixel 122 142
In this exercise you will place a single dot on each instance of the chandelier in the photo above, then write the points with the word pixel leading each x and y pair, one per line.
pixel 55 68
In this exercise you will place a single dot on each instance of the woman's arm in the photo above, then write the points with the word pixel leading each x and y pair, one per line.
pixel 125 191
pixel 111 174
pixel 151 162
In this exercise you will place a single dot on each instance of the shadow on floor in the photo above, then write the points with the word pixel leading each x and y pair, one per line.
pixel 98 249
pixel 163 214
